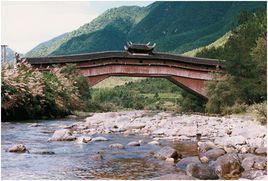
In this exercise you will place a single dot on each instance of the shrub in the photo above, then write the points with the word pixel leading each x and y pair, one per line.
pixel 235 109
pixel 260 110
pixel 29 93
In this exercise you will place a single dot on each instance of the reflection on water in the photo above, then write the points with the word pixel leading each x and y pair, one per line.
pixel 74 161
pixel 124 168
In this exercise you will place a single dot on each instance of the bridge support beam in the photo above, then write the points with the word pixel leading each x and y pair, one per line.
pixel 96 79
pixel 196 86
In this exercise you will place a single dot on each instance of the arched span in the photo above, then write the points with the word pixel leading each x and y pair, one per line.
pixel 190 73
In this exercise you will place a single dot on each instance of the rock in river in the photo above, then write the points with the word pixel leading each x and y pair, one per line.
pixel 254 162
pixel 254 174
pixel 20 148
pixel 62 135
pixel 99 138
pixel 214 153
pixel 261 150
pixel 116 145
pixel 205 146
pixel 43 152
pixel 228 166
pixel 182 164
pixel 154 143
pixel 166 152
pixel 201 171
pixel 35 125
pixel 83 139
pixel 134 143
pixel 97 157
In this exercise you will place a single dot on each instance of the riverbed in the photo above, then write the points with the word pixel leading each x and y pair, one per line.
pixel 73 160
pixel 221 137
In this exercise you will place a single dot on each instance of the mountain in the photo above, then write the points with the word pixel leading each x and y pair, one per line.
pixel 218 43
pixel 175 27
pixel 10 55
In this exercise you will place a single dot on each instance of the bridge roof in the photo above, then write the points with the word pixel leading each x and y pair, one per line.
pixel 121 55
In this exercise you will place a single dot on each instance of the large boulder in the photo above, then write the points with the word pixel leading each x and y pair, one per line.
pixel 261 150
pixel 213 154
pixel 201 171
pixel 20 148
pixel 254 162
pixel 182 164
pixel 166 152
pixel 253 174
pixel 260 163
pixel 62 135
pixel 248 163
pixel 228 166
pixel 205 146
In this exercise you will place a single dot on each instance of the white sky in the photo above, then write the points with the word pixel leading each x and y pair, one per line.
pixel 25 24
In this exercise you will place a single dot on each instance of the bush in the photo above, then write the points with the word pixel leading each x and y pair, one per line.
pixel 235 109
pixel 260 110
pixel 29 94
pixel 191 103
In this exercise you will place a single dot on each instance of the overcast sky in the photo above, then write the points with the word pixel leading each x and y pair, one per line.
pixel 26 24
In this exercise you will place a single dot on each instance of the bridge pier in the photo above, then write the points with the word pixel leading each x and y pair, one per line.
pixel 96 79
pixel 195 86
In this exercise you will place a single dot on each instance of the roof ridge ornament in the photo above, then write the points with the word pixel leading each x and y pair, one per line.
pixel 138 48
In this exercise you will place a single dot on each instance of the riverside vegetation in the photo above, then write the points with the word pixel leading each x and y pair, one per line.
pixel 27 93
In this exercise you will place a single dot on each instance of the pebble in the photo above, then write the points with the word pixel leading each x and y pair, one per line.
pixel 154 143
pixel 99 138
pixel 83 139
pixel 97 157
pixel 116 145
pixel 134 143
pixel 170 160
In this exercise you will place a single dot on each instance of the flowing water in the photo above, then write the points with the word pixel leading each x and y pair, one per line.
pixel 73 160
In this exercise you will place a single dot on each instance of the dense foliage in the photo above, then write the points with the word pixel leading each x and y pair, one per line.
pixel 150 93
pixel 174 26
pixel 28 93
pixel 245 58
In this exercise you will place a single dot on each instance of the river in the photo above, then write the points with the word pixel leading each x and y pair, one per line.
pixel 73 160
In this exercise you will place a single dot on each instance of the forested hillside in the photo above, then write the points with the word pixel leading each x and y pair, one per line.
pixel 245 58
pixel 175 26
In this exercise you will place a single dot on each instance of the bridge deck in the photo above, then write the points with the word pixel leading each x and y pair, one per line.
pixel 122 55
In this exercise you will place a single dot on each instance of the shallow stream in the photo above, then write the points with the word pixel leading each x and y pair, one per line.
pixel 74 161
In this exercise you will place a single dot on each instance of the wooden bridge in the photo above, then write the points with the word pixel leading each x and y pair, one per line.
pixel 139 60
